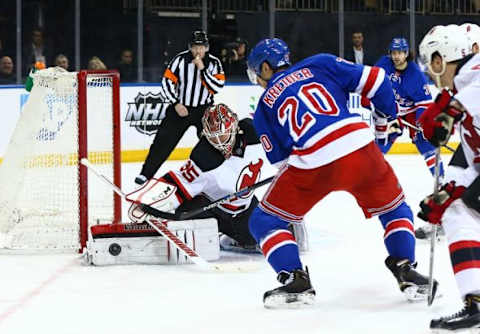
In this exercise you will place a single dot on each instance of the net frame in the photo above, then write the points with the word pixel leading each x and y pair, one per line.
pixel 60 108
pixel 82 77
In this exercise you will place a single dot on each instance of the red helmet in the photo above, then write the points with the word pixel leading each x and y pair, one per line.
pixel 220 126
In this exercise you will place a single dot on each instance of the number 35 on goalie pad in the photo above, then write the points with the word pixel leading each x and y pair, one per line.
pixel 141 244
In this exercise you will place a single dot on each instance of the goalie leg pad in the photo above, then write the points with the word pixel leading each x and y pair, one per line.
pixel 140 244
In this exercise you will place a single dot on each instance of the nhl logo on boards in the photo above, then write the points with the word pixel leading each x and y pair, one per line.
pixel 147 112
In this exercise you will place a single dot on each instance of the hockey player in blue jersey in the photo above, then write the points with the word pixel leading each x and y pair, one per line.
pixel 413 97
pixel 411 92
pixel 306 130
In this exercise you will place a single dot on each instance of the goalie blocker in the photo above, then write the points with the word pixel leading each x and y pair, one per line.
pixel 139 243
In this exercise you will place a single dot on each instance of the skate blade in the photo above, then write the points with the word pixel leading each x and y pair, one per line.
pixel 239 250
pixel 461 331
pixel 289 301
pixel 417 294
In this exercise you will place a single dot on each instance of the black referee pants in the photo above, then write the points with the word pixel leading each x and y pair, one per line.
pixel 169 133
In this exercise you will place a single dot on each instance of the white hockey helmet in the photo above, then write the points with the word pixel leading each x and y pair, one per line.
pixel 451 43
pixel 473 32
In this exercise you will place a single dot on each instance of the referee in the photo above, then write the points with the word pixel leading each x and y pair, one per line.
pixel 189 83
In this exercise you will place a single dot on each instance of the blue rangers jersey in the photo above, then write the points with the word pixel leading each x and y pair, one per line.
pixel 409 86
pixel 302 117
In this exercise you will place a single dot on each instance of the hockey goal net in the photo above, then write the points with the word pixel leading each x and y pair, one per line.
pixel 47 200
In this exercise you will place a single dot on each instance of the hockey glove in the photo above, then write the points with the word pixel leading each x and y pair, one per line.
pixel 438 119
pixel 386 130
pixel 432 209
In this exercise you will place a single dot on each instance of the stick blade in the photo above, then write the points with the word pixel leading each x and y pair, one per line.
pixel 431 296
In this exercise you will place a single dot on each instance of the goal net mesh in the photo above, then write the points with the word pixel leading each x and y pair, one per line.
pixel 39 175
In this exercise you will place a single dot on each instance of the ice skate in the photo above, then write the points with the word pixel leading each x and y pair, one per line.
pixel 464 320
pixel 230 245
pixel 295 292
pixel 410 282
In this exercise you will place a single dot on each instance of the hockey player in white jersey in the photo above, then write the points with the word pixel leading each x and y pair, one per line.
pixel 472 32
pixel 447 52
pixel 227 158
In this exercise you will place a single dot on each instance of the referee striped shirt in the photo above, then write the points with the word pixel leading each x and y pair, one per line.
pixel 184 83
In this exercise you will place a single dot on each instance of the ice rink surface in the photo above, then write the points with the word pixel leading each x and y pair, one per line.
pixel 356 293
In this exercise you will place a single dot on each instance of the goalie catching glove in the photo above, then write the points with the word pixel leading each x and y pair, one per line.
pixel 156 193
pixel 433 207
pixel 439 118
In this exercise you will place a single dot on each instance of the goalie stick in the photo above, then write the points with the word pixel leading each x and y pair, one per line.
pixel 161 228
pixel 189 214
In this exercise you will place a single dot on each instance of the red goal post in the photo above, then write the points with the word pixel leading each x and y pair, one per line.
pixel 83 146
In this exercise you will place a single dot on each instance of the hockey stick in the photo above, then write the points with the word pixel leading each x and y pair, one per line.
pixel 157 226
pixel 451 149
pixel 186 215
pixel 433 237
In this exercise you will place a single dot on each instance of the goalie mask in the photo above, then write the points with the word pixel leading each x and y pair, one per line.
pixel 220 126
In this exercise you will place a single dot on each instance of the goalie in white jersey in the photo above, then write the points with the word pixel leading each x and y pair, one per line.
pixel 227 158
pixel 447 52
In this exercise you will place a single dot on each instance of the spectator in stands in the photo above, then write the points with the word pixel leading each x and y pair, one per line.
pixel 6 71
pixel 62 61
pixel 358 54
pixel 126 67
pixel 96 63
pixel 234 58
pixel 37 50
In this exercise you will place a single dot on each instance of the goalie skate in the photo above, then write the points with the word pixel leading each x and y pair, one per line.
pixel 229 245
pixel 296 292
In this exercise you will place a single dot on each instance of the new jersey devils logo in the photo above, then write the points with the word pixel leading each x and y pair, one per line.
pixel 472 137
pixel 248 176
